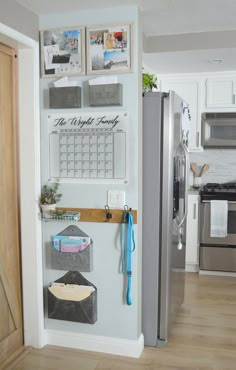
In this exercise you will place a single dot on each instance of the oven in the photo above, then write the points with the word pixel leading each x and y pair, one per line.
pixel 218 253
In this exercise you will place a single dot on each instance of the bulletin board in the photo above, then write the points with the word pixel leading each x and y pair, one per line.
pixel 88 147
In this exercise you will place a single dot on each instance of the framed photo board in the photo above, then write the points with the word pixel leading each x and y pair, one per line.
pixel 109 49
pixel 62 52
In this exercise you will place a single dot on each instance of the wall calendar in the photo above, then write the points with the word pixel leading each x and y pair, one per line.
pixel 88 145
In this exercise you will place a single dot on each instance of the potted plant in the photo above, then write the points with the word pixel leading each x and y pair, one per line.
pixel 149 81
pixel 48 198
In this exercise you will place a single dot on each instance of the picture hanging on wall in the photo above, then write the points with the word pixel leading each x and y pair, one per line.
pixel 62 52
pixel 109 49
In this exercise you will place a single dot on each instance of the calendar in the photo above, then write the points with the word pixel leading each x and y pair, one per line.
pixel 88 146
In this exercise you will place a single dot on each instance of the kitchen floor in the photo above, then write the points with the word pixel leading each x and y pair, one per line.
pixel 203 337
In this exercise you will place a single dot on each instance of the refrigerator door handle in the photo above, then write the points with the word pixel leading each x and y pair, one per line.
pixel 186 185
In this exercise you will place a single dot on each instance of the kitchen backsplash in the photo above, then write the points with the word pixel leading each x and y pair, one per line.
pixel 222 164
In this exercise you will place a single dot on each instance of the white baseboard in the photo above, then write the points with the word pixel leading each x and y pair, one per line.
pixel 97 343
pixel 217 273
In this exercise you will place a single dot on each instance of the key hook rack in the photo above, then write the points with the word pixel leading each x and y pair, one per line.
pixel 109 213
pixel 105 214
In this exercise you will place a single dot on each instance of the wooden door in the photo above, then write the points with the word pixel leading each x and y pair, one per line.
pixel 11 333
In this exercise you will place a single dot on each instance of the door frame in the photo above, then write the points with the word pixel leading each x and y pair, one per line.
pixel 29 178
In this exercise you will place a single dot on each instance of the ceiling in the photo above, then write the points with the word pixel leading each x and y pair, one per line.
pixel 166 20
pixel 194 61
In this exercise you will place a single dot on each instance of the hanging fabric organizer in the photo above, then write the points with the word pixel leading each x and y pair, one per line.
pixel 81 310
pixel 72 249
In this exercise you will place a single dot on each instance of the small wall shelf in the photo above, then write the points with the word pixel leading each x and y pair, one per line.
pixel 67 216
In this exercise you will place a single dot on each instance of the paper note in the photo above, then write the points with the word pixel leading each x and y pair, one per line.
pixel 49 51
pixel 65 82
pixel 103 80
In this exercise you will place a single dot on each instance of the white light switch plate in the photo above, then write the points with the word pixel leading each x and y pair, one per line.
pixel 116 198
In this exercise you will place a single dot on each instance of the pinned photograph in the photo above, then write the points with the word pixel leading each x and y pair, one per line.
pixel 109 49
pixel 62 52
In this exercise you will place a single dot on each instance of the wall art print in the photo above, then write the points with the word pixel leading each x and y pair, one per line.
pixel 62 52
pixel 109 49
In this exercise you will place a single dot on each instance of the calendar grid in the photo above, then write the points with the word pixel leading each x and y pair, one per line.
pixel 86 154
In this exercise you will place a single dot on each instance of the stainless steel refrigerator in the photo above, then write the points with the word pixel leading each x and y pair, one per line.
pixel 165 172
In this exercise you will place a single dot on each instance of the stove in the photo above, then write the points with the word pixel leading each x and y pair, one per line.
pixel 215 191
pixel 218 253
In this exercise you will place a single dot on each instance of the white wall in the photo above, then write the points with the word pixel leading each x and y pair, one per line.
pixel 222 164
pixel 19 18
pixel 115 318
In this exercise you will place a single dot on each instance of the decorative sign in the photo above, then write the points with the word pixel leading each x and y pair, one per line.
pixel 88 145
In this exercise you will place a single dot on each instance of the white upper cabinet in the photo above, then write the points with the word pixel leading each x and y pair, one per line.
pixel 189 90
pixel 220 92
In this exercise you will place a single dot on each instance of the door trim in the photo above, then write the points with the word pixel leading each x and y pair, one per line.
pixel 29 173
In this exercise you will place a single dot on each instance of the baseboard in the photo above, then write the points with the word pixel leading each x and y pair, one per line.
pixel 97 343
pixel 217 273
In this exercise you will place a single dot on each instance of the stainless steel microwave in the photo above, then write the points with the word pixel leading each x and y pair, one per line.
pixel 219 130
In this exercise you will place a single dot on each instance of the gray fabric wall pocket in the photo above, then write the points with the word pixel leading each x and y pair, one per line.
pixel 84 311
pixel 81 261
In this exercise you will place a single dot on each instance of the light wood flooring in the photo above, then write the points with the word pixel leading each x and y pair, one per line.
pixel 203 337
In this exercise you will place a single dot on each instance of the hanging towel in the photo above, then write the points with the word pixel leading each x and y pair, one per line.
pixel 219 218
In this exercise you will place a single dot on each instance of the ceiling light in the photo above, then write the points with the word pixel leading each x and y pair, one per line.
pixel 214 61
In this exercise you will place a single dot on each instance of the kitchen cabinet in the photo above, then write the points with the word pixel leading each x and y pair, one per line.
pixel 192 233
pixel 189 90
pixel 220 92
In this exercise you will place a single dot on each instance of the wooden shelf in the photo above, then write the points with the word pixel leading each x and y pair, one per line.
pixel 99 214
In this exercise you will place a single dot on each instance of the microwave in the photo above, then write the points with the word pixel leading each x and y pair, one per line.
pixel 219 130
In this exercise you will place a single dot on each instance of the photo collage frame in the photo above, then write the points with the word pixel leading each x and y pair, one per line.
pixel 109 50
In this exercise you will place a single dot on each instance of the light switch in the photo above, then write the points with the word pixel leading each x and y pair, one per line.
pixel 116 198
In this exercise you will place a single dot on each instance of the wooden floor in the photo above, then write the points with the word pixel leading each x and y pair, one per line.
pixel 203 337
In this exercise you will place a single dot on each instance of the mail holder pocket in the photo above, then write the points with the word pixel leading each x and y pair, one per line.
pixel 84 311
pixel 105 95
pixel 71 261
pixel 81 261
pixel 65 97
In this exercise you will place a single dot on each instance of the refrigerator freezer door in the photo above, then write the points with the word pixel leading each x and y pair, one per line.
pixel 172 259
pixel 152 162
pixel 161 142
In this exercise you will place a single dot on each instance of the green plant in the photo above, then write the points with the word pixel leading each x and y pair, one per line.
pixel 49 194
pixel 149 81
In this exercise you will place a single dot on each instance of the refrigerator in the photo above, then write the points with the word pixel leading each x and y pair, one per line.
pixel 165 173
